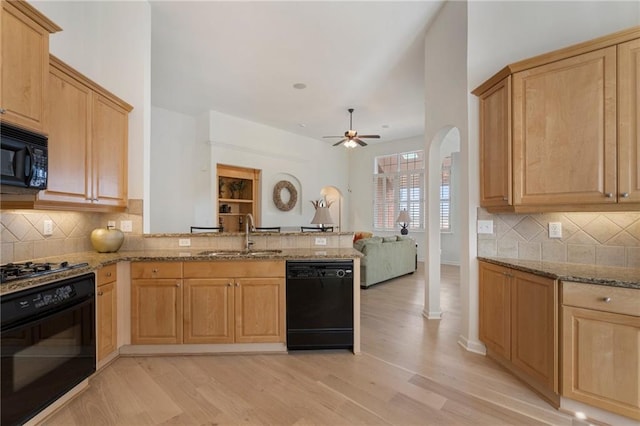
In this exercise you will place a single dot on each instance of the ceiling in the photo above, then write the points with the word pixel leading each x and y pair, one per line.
pixel 243 58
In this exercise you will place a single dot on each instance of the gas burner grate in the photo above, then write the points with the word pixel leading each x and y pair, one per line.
pixel 16 271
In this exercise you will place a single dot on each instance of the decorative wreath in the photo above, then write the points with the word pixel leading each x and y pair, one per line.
pixel 277 199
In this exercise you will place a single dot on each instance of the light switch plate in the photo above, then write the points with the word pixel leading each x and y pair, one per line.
pixel 485 227
pixel 184 242
pixel 47 227
pixel 555 229
pixel 126 226
pixel 320 241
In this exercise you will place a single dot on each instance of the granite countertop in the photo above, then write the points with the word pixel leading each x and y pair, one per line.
pixel 96 260
pixel 576 272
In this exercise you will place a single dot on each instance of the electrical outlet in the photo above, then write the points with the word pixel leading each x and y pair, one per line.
pixel 47 226
pixel 126 226
pixel 184 242
pixel 111 224
pixel 321 241
pixel 555 229
pixel 485 227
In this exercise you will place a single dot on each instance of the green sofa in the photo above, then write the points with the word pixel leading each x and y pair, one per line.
pixel 385 258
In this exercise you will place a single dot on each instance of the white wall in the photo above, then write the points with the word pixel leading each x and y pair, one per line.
pixel 180 188
pixel 110 43
pixel 279 154
pixel 499 33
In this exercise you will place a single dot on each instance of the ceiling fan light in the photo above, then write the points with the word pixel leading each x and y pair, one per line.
pixel 350 143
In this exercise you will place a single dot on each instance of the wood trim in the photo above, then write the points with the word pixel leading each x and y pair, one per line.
pixel 628 126
pixel 559 54
pixel 71 72
pixel 33 14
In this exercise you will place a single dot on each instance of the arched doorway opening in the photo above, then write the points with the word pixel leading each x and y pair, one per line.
pixel 333 197
pixel 444 143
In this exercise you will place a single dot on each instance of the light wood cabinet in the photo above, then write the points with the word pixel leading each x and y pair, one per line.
pixel 25 66
pixel 220 302
pixel 238 195
pixel 249 296
pixel 156 302
pixel 107 308
pixel 519 325
pixel 601 347
pixel 559 132
pixel 629 122
pixel 87 144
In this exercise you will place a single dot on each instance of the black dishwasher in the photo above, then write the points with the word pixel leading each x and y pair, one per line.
pixel 320 304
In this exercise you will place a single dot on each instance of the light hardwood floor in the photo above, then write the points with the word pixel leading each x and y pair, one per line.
pixel 411 372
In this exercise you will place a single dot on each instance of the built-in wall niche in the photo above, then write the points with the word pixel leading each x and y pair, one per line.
pixel 238 195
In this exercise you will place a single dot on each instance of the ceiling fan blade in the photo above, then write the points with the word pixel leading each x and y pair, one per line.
pixel 361 142
pixel 369 136
pixel 333 136
pixel 338 143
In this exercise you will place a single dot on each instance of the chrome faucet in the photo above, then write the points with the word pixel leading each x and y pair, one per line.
pixel 248 228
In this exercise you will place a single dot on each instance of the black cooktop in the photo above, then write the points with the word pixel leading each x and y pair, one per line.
pixel 17 271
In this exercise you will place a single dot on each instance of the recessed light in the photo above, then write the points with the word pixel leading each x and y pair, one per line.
pixel 385 126
pixel 299 86
pixel 302 125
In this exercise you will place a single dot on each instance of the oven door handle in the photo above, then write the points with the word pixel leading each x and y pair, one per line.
pixel 31 320
pixel 29 166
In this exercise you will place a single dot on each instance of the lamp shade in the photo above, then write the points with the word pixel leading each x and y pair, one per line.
pixel 403 217
pixel 322 216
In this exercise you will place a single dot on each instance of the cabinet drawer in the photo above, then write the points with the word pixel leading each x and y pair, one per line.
pixel 234 268
pixel 602 298
pixel 156 270
pixel 107 274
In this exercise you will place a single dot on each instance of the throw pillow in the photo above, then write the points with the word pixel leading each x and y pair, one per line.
pixel 362 234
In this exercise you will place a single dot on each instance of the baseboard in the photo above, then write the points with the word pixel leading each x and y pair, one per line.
pixel 435 315
pixel 450 263
pixel 202 349
pixel 474 346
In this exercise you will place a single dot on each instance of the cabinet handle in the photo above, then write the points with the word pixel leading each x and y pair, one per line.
pixel 237 284
pixel 625 195
pixel 230 284
pixel 505 199
pixel 606 299
pixel 108 274
pixel 154 271
pixel 2 110
pixel 100 293
pixel 609 195
pixel 178 284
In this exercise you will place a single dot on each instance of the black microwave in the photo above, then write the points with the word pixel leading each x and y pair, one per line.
pixel 23 160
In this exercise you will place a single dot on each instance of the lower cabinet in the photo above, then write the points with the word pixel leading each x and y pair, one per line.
pixel 601 347
pixel 207 302
pixel 519 325
pixel 107 325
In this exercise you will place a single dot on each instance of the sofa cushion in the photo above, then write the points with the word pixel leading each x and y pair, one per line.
pixel 389 239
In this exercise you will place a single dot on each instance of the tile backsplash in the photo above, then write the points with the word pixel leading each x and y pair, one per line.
pixel 611 239
pixel 22 236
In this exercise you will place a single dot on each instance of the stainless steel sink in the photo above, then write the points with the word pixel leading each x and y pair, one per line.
pixel 238 252
pixel 221 253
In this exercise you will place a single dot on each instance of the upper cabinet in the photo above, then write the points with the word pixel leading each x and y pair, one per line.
pixel 560 132
pixel 24 74
pixel 87 144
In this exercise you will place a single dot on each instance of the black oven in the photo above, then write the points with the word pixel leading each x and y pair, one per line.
pixel 48 345
pixel 23 160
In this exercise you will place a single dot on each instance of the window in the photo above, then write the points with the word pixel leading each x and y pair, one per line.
pixel 398 183
pixel 445 195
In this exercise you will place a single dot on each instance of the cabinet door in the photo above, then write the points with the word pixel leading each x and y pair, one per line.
pixel 156 311
pixel 629 122
pixel 208 310
pixel 534 327
pixel 495 309
pixel 24 71
pixel 259 310
pixel 107 320
pixel 109 152
pixel 495 145
pixel 601 359
pixel 69 140
pixel 564 131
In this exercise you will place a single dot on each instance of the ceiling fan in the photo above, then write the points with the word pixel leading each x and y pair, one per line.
pixel 351 137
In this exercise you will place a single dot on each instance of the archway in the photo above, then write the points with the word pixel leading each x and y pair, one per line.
pixel 449 135
pixel 333 196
